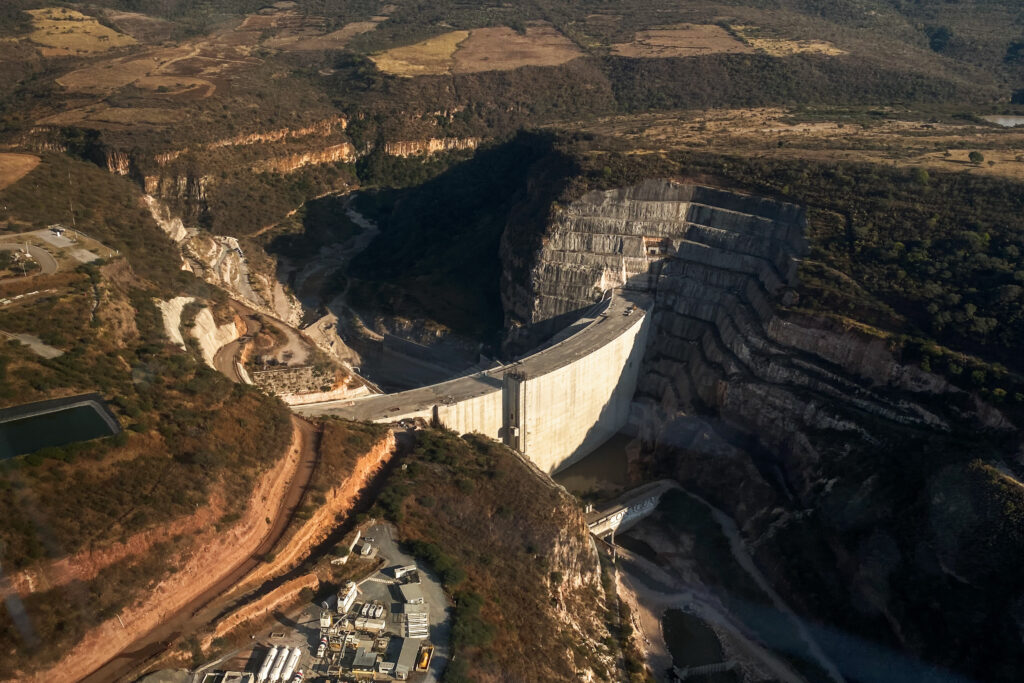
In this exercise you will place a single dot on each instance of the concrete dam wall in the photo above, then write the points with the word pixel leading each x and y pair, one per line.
pixel 664 249
pixel 554 406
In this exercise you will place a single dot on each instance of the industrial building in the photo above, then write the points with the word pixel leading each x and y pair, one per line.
pixel 375 639
pixel 406 658
pixel 412 593
pixel 347 598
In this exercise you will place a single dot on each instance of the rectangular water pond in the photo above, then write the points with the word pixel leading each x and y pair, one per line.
pixel 53 426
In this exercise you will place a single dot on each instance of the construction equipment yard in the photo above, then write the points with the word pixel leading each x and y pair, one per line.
pixel 392 624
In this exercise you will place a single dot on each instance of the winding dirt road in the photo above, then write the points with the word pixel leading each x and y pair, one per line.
pixel 189 618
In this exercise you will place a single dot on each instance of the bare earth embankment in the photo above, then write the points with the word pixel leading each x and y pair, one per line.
pixel 218 559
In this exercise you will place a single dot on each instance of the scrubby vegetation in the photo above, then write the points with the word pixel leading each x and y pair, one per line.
pixel 930 261
pixel 55 620
pixel 342 443
pixel 191 437
pixel 490 528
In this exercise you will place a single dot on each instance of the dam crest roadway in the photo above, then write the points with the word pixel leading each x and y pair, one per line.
pixel 554 406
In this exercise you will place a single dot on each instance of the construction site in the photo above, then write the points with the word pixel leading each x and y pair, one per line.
pixel 376 629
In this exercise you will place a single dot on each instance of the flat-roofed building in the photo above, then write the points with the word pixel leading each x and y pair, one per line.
pixel 412 593
pixel 406 658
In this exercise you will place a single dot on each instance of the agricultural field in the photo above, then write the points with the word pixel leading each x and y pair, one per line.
pixel 782 47
pixel 482 49
pixel 686 40
pixel 430 57
pixel 502 49
pixel 14 167
pixel 64 32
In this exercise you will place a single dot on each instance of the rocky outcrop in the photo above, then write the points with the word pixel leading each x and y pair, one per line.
pixel 208 334
pixel 343 152
pixel 411 148
pixel 173 226
pixel 573 559
pixel 791 422
pixel 119 162
pixel 212 336
pixel 185 188
pixel 320 128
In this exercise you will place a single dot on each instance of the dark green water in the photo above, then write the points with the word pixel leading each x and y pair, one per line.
pixel 59 428
pixel 692 643
pixel 601 472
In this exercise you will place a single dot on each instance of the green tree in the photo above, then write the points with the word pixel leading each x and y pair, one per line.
pixel 976 157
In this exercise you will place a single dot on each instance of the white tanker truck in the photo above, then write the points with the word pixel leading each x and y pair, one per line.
pixel 275 672
pixel 290 666
pixel 264 673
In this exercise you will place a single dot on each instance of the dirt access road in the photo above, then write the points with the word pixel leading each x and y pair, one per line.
pixel 189 618
pixel 226 356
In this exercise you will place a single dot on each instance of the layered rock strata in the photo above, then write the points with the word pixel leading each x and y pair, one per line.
pixel 718 263
pixel 791 422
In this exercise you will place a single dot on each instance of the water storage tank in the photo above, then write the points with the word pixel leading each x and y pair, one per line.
pixel 290 666
pixel 261 677
pixel 275 672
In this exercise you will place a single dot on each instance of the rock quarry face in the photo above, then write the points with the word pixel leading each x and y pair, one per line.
pixel 791 422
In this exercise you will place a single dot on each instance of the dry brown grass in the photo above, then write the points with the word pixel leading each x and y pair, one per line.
pixel 107 76
pixel 772 133
pixel 685 40
pixel 431 57
pixel 176 85
pixel 502 49
pixel 330 41
pixel 482 49
pixel 62 31
pixel 141 27
pixel 781 47
pixel 101 113
pixel 14 167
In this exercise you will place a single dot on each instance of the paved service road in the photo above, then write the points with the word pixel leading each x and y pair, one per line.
pixel 42 257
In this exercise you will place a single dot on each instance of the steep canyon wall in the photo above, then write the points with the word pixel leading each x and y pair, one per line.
pixel 806 428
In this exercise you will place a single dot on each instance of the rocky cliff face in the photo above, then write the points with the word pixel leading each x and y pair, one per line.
pixel 791 422
pixel 343 153
pixel 186 188
pixel 410 148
